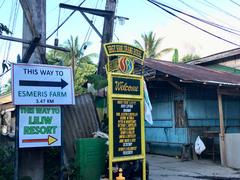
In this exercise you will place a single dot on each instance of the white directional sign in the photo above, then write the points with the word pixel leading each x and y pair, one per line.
pixel 39 126
pixel 35 84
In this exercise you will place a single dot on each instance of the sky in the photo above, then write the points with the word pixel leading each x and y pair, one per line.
pixel 143 18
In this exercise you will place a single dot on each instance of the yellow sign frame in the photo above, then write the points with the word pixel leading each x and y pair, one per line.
pixel 113 96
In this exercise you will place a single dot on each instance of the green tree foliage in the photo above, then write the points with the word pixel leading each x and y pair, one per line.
pixel 175 56
pixel 81 76
pixel 6 88
pixel 6 163
pixel 83 65
pixel 151 45
pixel 190 57
pixel 97 80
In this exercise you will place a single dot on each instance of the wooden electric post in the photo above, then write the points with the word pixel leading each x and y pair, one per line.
pixel 107 35
pixel 34 27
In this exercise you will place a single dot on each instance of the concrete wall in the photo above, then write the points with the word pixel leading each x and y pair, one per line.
pixel 232 143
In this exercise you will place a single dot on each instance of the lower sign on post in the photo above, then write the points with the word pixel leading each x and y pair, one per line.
pixel 39 126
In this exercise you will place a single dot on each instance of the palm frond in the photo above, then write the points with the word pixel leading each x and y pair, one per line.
pixel 163 52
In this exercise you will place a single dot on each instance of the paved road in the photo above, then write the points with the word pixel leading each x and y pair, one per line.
pixel 170 168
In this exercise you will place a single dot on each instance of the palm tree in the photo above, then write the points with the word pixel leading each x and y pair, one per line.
pixel 75 56
pixel 82 64
pixel 151 46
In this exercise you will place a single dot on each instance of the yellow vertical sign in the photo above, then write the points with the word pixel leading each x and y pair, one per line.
pixel 125 106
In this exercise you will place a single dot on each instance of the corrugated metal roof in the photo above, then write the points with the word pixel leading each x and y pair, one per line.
pixel 216 57
pixel 80 121
pixel 193 73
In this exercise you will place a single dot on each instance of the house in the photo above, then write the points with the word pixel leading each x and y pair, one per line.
pixel 7 120
pixel 228 61
pixel 187 100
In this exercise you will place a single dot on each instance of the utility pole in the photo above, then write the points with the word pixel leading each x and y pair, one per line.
pixel 34 26
pixel 31 162
pixel 107 34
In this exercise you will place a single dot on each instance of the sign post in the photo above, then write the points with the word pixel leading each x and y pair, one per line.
pixel 34 86
pixel 125 106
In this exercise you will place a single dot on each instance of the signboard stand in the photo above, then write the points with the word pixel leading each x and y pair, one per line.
pixel 125 106
pixel 34 86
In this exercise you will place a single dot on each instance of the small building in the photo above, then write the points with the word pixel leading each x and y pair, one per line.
pixel 228 61
pixel 187 100
pixel 7 120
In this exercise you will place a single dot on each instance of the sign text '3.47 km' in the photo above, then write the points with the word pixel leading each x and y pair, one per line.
pixel 42 85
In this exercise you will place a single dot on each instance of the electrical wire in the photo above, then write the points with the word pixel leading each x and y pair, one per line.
pixel 194 9
pixel 235 3
pixel 64 21
pixel 202 13
pixel 2 3
pixel 224 28
pixel 53 9
pixel 89 31
pixel 221 10
pixel 9 26
pixel 13 26
pixel 212 34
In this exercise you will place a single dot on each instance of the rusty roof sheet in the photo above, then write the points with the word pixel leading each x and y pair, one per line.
pixel 193 73
pixel 216 57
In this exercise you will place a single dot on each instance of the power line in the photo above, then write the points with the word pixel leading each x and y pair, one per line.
pixel 53 9
pixel 224 28
pixel 194 9
pixel 2 3
pixel 204 21
pixel 202 13
pixel 235 2
pixel 64 21
pixel 216 36
pixel 13 25
pixel 222 10
pixel 89 32
pixel 9 25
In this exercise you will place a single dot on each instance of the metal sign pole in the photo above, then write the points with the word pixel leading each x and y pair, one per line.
pixel 16 143
pixel 62 145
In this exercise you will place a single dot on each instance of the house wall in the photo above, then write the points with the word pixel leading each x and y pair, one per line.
pixel 229 64
pixel 163 136
pixel 201 112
